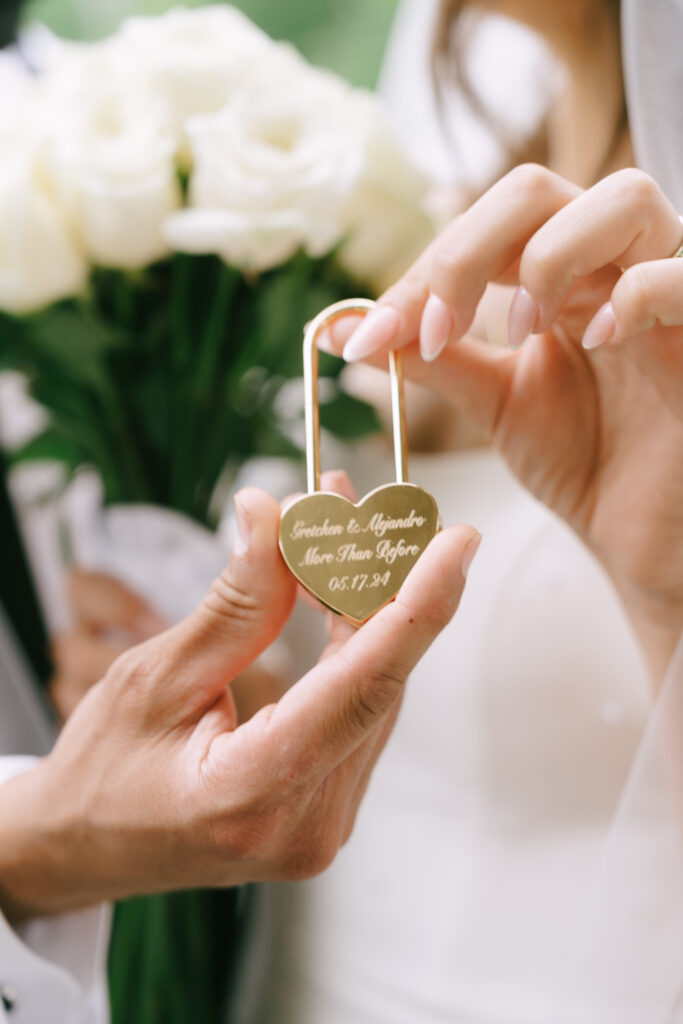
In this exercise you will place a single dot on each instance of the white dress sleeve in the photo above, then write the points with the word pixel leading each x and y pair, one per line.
pixel 53 969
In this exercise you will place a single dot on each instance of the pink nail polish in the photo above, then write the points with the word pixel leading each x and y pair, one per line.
pixel 601 328
pixel 469 553
pixel 379 328
pixel 435 329
pixel 523 317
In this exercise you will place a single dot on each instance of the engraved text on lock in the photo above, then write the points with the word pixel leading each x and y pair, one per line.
pixel 354 557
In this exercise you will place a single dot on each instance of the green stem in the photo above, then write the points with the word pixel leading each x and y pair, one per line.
pixel 215 333
pixel 180 353
pixel 202 395
pixel 134 485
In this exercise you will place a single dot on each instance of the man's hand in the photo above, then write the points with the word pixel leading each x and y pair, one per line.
pixel 108 619
pixel 152 785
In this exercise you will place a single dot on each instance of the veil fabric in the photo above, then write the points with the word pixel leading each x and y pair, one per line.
pixel 652 45
pixel 634 912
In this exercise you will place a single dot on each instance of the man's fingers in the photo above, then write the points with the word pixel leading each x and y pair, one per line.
pixel 242 614
pixel 334 480
pixel 332 710
pixel 101 602
pixel 371 750
pixel 338 482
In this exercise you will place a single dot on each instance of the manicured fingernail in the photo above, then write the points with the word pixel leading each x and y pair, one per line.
pixel 378 328
pixel 435 329
pixel 243 527
pixel 469 553
pixel 601 328
pixel 522 318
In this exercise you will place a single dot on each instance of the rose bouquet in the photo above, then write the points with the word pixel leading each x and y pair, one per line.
pixel 175 203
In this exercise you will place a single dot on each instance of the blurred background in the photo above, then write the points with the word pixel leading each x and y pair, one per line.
pixel 347 37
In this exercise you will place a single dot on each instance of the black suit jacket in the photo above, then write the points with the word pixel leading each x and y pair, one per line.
pixel 17 592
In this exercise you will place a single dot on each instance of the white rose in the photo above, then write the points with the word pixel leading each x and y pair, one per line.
pixel 197 58
pixel 387 225
pixel 24 104
pixel 110 156
pixel 273 170
pixel 40 261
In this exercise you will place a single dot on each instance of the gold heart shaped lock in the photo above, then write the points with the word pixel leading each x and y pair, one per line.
pixel 354 557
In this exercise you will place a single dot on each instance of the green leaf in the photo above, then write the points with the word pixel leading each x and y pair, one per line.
pixel 349 417
pixel 50 446
pixel 70 337
pixel 270 440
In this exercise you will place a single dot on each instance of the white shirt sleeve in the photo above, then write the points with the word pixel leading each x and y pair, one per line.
pixel 53 969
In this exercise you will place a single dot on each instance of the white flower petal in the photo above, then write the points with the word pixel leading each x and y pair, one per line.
pixel 110 157
pixel 39 260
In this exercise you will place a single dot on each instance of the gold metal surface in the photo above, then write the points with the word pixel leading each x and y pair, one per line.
pixel 354 557
pixel 312 408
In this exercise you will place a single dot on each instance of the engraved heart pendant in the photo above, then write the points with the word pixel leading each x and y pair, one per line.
pixel 354 558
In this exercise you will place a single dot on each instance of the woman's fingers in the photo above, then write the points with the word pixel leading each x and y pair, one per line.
pixel 645 295
pixel 472 376
pixel 82 656
pixel 333 338
pixel 81 659
pixel 437 298
pixel 108 619
pixel 101 602
pixel 624 220
pixel 531 224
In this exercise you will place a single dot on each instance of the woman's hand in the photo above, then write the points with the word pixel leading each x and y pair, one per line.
pixel 594 432
pixel 108 618
pixel 153 785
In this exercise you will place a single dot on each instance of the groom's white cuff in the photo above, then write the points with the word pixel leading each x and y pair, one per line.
pixel 53 969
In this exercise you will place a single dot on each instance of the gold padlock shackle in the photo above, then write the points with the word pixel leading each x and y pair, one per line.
pixel 324 319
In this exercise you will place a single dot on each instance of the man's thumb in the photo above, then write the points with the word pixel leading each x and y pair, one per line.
pixel 245 609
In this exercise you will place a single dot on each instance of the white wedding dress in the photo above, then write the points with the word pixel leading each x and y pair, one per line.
pixel 518 858
pixel 465 889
